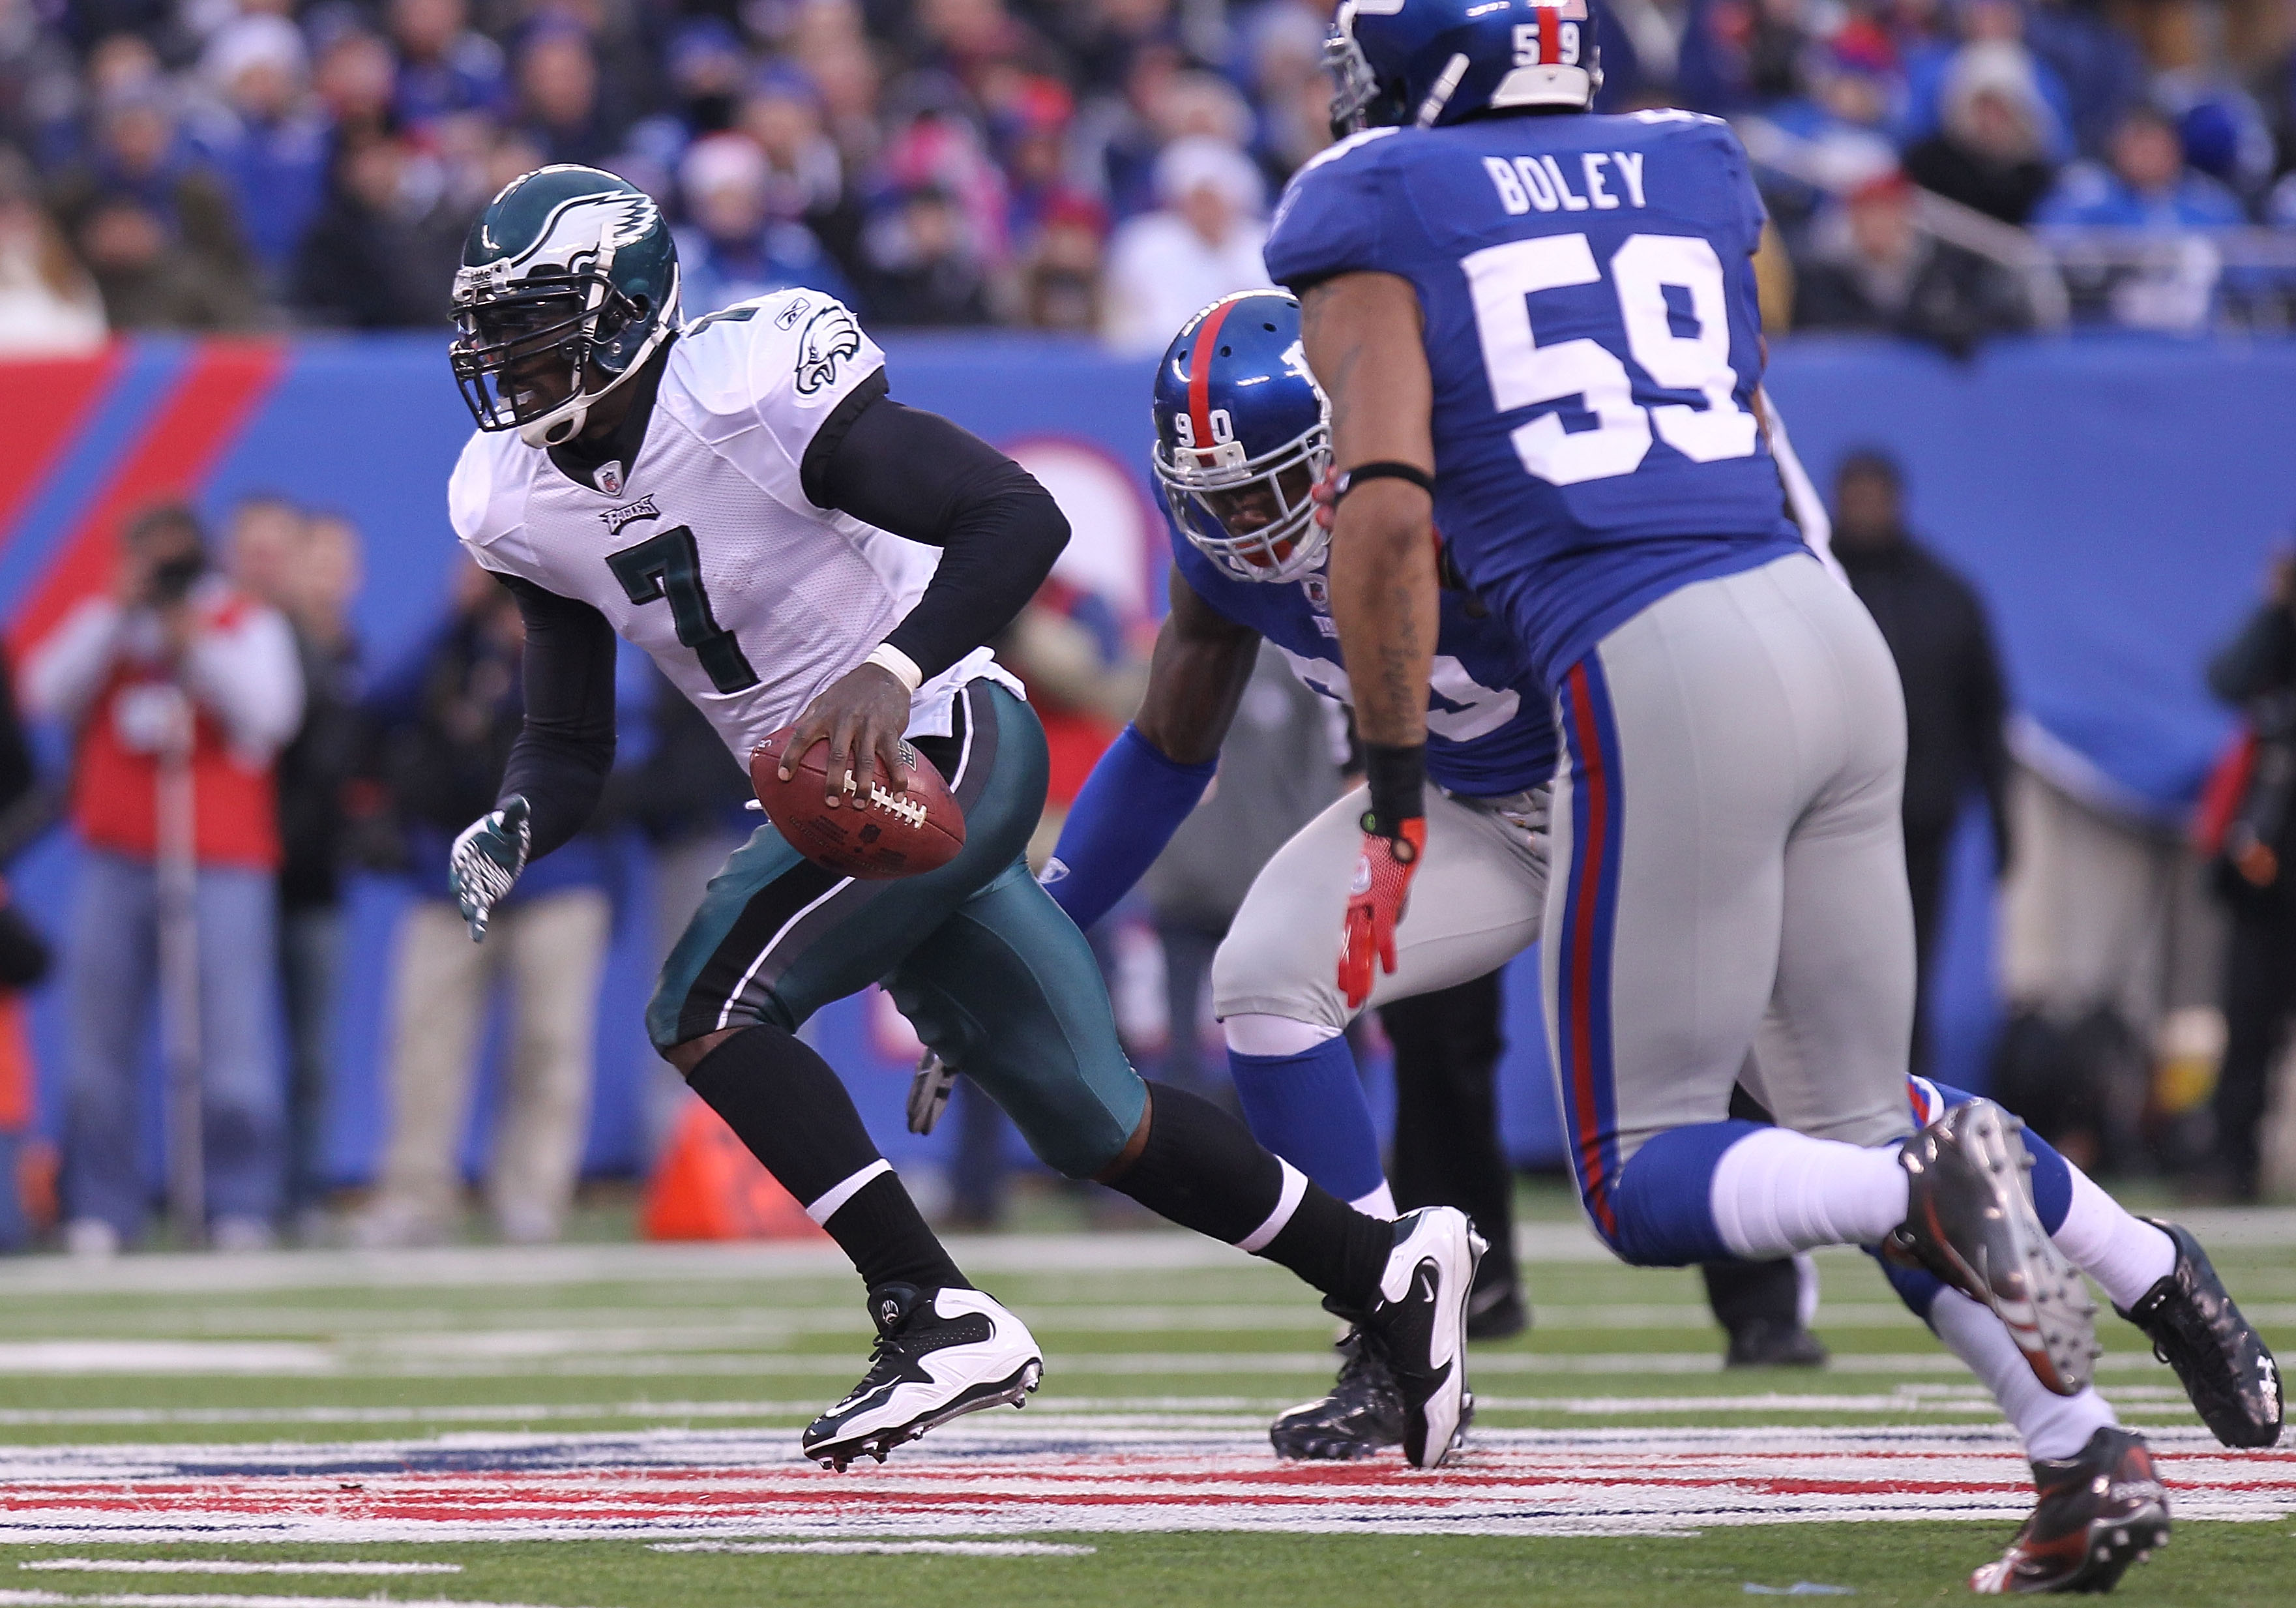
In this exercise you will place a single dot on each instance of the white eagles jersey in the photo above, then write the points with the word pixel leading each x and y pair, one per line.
pixel 707 554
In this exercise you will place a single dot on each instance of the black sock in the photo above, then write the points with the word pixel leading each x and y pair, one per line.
pixel 1202 1168
pixel 1746 1292
pixel 784 1101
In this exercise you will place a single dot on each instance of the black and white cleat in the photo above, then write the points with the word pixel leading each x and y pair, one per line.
pixel 1419 1327
pixel 939 1354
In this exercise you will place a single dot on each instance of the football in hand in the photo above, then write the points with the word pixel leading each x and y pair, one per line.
pixel 883 834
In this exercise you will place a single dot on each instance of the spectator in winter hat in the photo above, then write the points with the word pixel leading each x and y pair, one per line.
pixel 1059 275
pixel 1293 90
pixel 382 252
pixel 780 111
pixel 559 102
pixel 445 67
pixel 1031 139
pixel 1990 149
pixel 926 268
pixel 1203 242
pixel 735 248
pixel 356 81
pixel 2146 186
pixel 266 140
pixel 158 231
pixel 1892 276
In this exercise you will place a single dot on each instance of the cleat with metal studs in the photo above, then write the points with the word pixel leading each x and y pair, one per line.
pixel 2097 1513
pixel 1970 1220
pixel 939 1354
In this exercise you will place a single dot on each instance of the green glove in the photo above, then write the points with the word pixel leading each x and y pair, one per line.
pixel 486 859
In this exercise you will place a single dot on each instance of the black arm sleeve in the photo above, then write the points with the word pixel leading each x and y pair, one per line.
pixel 919 476
pixel 561 757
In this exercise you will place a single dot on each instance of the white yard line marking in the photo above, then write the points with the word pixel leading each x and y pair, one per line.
pixel 229 1566
pixel 498 1268
pixel 117 1599
pixel 955 1549
pixel 163 1357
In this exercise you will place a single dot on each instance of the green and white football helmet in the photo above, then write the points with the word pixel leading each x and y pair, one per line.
pixel 569 282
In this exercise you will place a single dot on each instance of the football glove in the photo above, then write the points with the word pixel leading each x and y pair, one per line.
pixel 1375 901
pixel 929 1092
pixel 486 859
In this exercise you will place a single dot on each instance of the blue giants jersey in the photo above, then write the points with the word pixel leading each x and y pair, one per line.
pixel 1489 728
pixel 1595 342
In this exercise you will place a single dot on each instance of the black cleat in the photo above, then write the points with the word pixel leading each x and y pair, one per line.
pixel 2099 1513
pixel 1970 1220
pixel 1762 1342
pixel 939 1354
pixel 1419 1327
pixel 2223 1363
pixel 1362 1415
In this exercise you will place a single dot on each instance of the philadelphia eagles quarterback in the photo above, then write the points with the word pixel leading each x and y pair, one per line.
pixel 739 496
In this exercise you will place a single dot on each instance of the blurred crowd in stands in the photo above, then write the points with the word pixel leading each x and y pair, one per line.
pixel 1945 168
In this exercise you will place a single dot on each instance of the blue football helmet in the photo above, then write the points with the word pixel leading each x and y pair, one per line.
pixel 1242 434
pixel 1428 62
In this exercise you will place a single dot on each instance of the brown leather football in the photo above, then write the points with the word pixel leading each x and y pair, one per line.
pixel 887 835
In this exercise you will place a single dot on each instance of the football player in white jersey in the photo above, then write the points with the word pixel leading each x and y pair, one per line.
pixel 740 497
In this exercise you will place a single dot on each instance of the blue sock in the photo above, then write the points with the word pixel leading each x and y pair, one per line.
pixel 1309 1109
pixel 1662 1206
pixel 2052 1176
pixel 1917 1287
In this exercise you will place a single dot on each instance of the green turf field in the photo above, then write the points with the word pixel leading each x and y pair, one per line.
pixel 334 1406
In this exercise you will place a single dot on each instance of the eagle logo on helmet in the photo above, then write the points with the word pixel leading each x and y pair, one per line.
pixel 830 337
pixel 580 227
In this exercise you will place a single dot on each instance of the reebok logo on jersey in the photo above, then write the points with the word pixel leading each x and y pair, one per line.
pixel 788 316
pixel 828 338
pixel 616 518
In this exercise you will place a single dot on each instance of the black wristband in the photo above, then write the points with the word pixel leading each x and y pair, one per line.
pixel 1397 780
pixel 1383 469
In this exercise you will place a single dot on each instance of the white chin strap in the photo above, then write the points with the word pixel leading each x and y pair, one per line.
pixel 562 423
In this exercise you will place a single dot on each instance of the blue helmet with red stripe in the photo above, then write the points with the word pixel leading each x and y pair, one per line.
pixel 1428 62
pixel 1243 433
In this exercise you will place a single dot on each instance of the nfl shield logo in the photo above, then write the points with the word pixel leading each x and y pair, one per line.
pixel 610 479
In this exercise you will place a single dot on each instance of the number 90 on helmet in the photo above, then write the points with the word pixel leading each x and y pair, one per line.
pixel 1429 62
pixel 1243 433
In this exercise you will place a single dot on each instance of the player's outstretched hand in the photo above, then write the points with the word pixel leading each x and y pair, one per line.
pixel 486 859
pixel 1375 901
pixel 862 714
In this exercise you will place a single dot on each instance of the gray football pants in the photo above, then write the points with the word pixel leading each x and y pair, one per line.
pixel 1727 842
pixel 1475 904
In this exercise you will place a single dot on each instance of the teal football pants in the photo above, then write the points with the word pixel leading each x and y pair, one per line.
pixel 992 975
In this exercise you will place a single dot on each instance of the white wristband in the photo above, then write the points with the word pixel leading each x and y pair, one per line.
pixel 885 656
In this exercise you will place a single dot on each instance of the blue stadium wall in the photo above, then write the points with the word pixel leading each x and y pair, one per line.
pixel 2115 500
